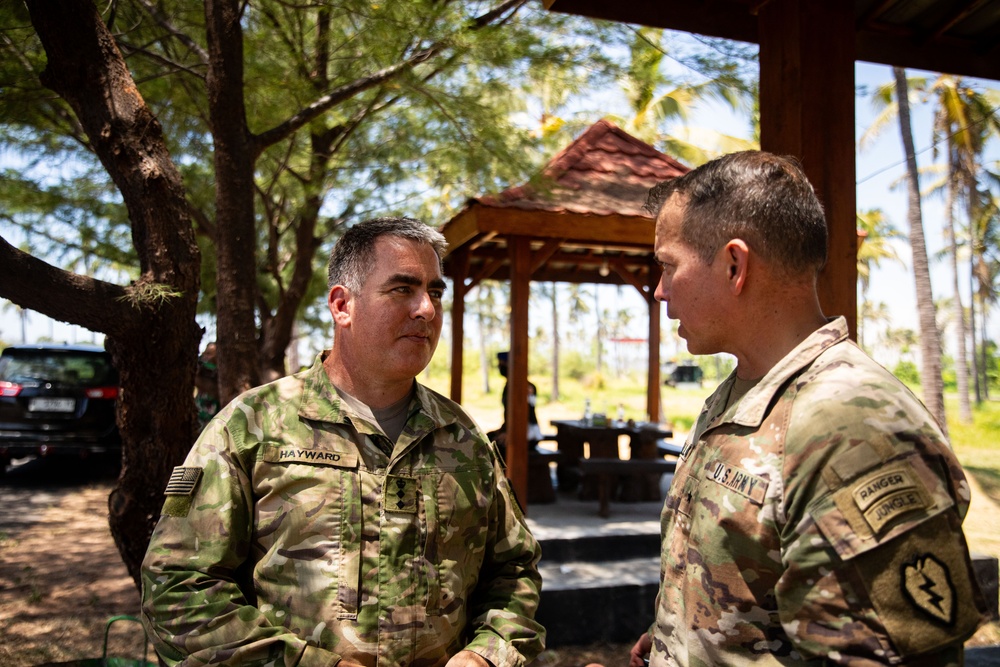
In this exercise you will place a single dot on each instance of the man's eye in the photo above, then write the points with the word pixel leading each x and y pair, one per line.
pixel 437 294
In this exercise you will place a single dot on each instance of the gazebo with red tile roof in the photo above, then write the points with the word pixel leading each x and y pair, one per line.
pixel 581 221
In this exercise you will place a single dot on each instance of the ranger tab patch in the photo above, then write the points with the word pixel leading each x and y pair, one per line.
pixel 887 495
pixel 927 583
pixel 182 481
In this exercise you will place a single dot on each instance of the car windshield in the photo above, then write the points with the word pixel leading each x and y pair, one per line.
pixel 89 370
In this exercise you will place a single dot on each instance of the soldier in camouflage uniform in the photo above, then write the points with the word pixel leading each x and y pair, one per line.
pixel 815 514
pixel 347 515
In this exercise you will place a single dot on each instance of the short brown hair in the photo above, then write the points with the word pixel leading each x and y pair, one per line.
pixel 763 199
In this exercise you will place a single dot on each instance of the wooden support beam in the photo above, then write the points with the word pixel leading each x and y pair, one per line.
pixel 653 370
pixel 461 268
pixel 807 111
pixel 517 370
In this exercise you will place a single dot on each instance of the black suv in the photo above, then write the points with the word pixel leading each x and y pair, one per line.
pixel 56 399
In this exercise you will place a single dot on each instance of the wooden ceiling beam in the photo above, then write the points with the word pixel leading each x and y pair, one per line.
pixel 956 16
pixel 589 229
pixel 543 254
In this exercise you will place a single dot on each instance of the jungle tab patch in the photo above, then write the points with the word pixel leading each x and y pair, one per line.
pixel 321 457
pixel 183 481
pixel 739 480
pixel 887 495
pixel 927 582
pixel 400 494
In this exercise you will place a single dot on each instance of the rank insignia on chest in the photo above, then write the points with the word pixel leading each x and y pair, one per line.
pixel 400 494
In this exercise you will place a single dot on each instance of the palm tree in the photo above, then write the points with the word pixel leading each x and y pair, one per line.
pixel 930 341
pixel 894 101
pixel 963 122
pixel 877 232
pixel 985 277
pixel 655 98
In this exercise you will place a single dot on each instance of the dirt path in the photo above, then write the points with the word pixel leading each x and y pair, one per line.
pixel 61 577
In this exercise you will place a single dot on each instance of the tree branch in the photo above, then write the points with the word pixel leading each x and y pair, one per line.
pixel 279 132
pixel 83 301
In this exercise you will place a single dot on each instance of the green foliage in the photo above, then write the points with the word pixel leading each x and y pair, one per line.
pixel 907 373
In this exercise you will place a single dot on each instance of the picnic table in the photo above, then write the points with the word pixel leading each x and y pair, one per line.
pixel 642 466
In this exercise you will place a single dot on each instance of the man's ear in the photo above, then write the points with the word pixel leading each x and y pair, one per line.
pixel 338 300
pixel 737 255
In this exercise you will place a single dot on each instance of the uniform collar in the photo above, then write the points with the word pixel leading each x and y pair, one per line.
pixel 752 409
pixel 320 402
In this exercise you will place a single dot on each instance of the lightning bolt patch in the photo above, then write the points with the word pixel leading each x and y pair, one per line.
pixel 927 583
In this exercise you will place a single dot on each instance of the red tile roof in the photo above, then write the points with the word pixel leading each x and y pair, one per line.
pixel 605 171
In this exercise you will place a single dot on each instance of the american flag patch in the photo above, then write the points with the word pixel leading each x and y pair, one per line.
pixel 182 481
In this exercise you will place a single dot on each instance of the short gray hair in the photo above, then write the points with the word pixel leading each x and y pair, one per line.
pixel 352 258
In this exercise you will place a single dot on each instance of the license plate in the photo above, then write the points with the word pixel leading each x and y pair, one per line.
pixel 52 405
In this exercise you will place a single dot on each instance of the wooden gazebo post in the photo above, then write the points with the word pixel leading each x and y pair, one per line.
pixel 807 110
pixel 519 248
pixel 653 373
pixel 460 273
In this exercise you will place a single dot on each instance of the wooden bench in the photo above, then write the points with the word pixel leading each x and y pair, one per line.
pixel 540 488
pixel 607 470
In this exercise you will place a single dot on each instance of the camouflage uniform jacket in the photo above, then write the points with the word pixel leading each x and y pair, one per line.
pixel 816 521
pixel 289 538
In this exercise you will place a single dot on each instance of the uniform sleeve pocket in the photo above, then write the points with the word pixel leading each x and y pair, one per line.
pixel 877 505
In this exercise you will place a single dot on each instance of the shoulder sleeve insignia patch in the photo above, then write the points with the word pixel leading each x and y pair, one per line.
pixel 927 583
pixel 183 481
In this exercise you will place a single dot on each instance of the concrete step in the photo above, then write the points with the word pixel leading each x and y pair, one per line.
pixel 589 595
pixel 589 602
pixel 600 548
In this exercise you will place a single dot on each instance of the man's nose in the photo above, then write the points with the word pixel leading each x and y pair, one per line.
pixel 425 307
pixel 660 293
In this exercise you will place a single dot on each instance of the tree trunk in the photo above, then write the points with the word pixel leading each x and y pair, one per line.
pixel 555 343
pixel 234 157
pixel 930 341
pixel 961 333
pixel 977 390
pixel 151 331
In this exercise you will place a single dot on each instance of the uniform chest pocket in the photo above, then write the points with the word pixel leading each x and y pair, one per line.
pixel 306 516
pixel 458 527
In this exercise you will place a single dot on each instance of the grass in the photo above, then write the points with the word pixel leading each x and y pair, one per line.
pixel 977 445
